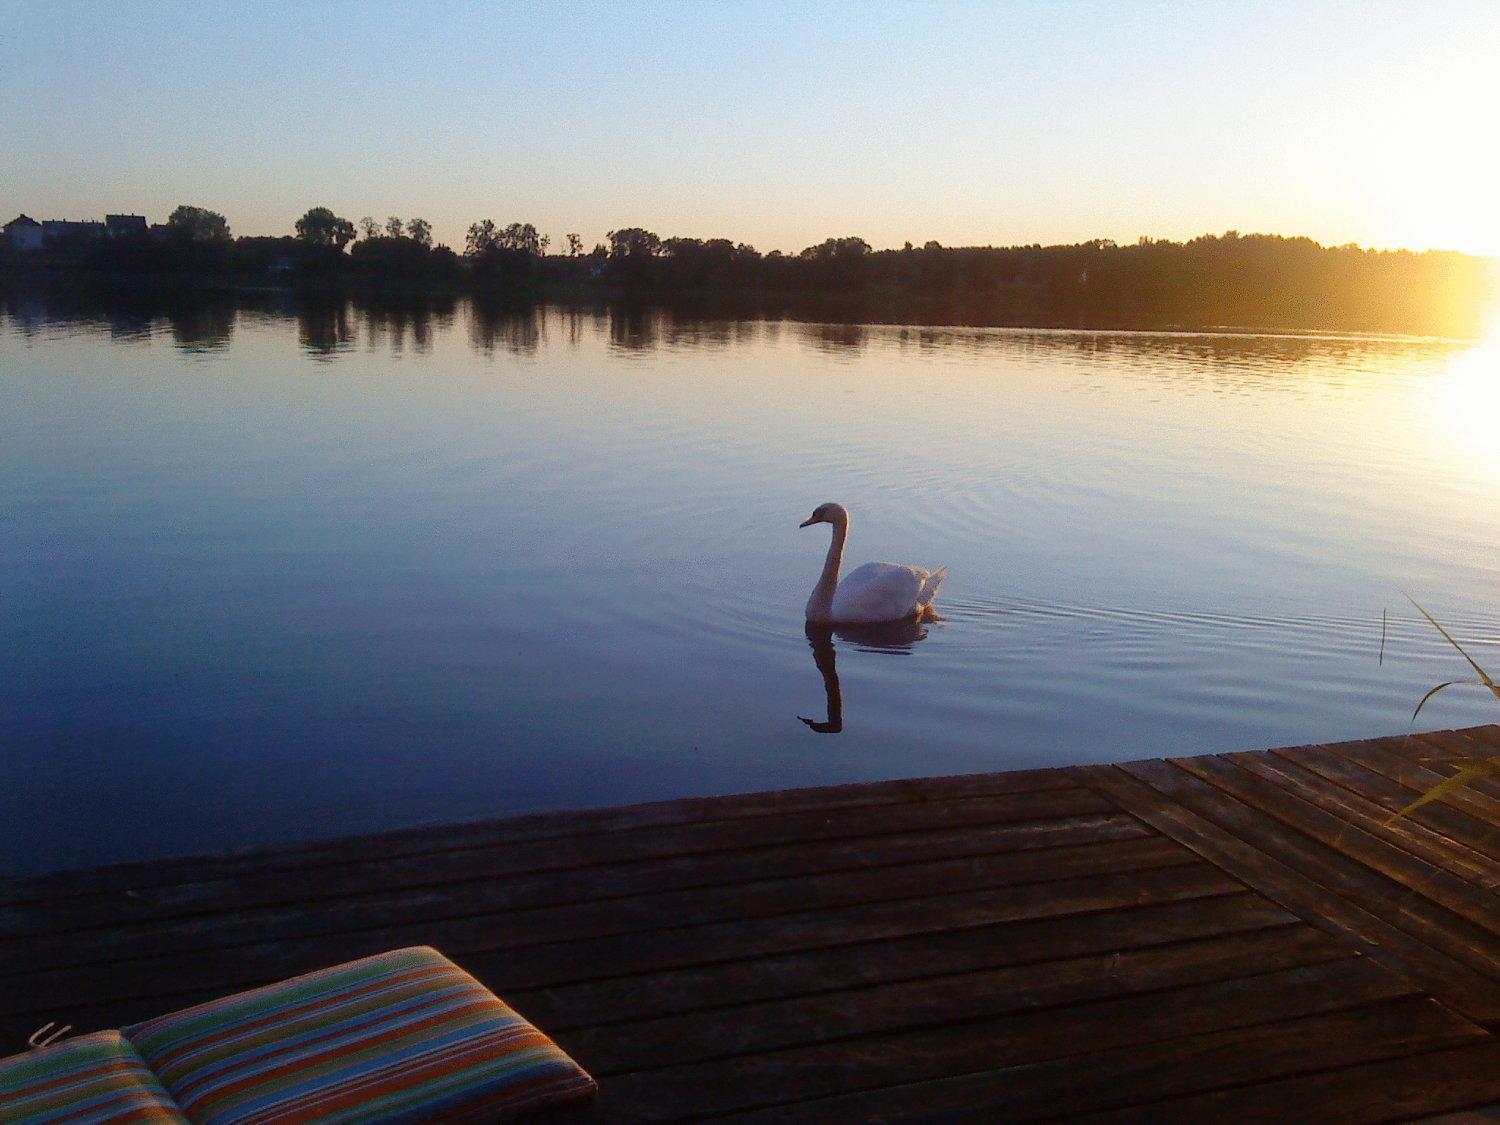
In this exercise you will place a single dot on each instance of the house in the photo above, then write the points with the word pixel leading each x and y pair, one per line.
pixel 119 226
pixel 69 230
pixel 23 233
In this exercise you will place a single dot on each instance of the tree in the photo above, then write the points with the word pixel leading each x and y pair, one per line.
pixel 419 231
pixel 321 227
pixel 198 224
pixel 633 254
pixel 837 250
pixel 838 263
pixel 509 256
pixel 575 245
pixel 369 227
pixel 523 237
pixel 394 227
pixel 483 236
pixel 633 242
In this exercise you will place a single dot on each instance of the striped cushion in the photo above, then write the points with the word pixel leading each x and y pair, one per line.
pixel 92 1078
pixel 402 1036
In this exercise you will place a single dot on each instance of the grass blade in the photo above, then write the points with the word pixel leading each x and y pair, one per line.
pixel 1440 687
pixel 1484 677
pixel 1474 769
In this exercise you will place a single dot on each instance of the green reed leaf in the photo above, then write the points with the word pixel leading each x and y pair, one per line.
pixel 1440 687
pixel 1473 770
pixel 1484 677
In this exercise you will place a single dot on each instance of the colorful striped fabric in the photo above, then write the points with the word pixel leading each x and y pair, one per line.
pixel 94 1078
pixel 402 1036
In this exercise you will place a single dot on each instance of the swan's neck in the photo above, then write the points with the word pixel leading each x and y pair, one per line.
pixel 820 605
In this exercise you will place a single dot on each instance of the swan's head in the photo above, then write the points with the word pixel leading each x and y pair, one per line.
pixel 827 513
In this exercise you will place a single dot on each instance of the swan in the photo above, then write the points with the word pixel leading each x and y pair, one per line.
pixel 872 593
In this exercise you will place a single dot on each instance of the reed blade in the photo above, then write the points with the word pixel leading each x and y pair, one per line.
pixel 1474 769
pixel 1440 687
pixel 1484 677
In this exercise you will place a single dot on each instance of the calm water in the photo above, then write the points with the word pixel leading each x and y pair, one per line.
pixel 269 573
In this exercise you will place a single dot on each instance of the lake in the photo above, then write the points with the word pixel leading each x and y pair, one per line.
pixel 273 570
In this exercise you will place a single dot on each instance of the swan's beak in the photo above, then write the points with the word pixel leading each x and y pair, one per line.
pixel 808 522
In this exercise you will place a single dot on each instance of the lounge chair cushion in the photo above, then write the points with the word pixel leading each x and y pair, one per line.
pixel 401 1036
pixel 93 1078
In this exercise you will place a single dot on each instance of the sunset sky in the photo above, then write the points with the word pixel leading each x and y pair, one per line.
pixel 773 124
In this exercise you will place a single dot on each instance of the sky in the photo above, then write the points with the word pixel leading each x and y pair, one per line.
pixel 776 124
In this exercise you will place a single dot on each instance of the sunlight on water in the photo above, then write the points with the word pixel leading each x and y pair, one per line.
pixel 271 570
pixel 1468 403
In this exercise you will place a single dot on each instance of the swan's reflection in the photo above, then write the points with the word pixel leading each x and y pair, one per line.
pixel 894 637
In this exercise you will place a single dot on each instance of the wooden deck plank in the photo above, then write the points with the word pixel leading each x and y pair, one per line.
pixel 1317 787
pixel 967 832
pixel 599 915
pixel 1464 814
pixel 1239 935
pixel 843 1066
pixel 1367 868
pixel 1443 748
pixel 1485 737
pixel 530 828
pixel 1382 788
pixel 927 952
pixel 1398 1089
pixel 787 975
pixel 1119 1078
pixel 716 852
pixel 745 1029
pixel 1437 751
pixel 535 959
pixel 1475 994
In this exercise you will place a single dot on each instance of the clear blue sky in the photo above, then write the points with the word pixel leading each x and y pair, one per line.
pixel 774 124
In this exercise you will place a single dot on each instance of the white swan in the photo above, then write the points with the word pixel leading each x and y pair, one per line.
pixel 872 593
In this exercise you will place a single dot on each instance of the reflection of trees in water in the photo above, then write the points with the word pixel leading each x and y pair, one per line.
pixel 129 324
pixel 24 310
pixel 325 326
pixel 705 335
pixel 329 323
pixel 837 339
pixel 390 318
pixel 640 328
pixel 519 329
pixel 634 327
pixel 205 326
pixel 199 320
pixel 643 328
pixel 1287 362
pixel 573 319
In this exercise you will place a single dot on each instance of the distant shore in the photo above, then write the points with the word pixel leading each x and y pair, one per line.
pixel 72 287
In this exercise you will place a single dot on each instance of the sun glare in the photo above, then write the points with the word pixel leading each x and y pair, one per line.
pixel 1468 400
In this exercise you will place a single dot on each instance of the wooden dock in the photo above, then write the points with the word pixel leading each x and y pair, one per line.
pixel 1235 937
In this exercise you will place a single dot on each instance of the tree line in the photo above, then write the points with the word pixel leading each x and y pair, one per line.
pixel 1231 279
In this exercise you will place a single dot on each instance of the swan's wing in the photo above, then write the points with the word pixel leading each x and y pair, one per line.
pixel 879 592
pixel 930 586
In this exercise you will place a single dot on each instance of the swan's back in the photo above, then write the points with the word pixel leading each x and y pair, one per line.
pixel 882 591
